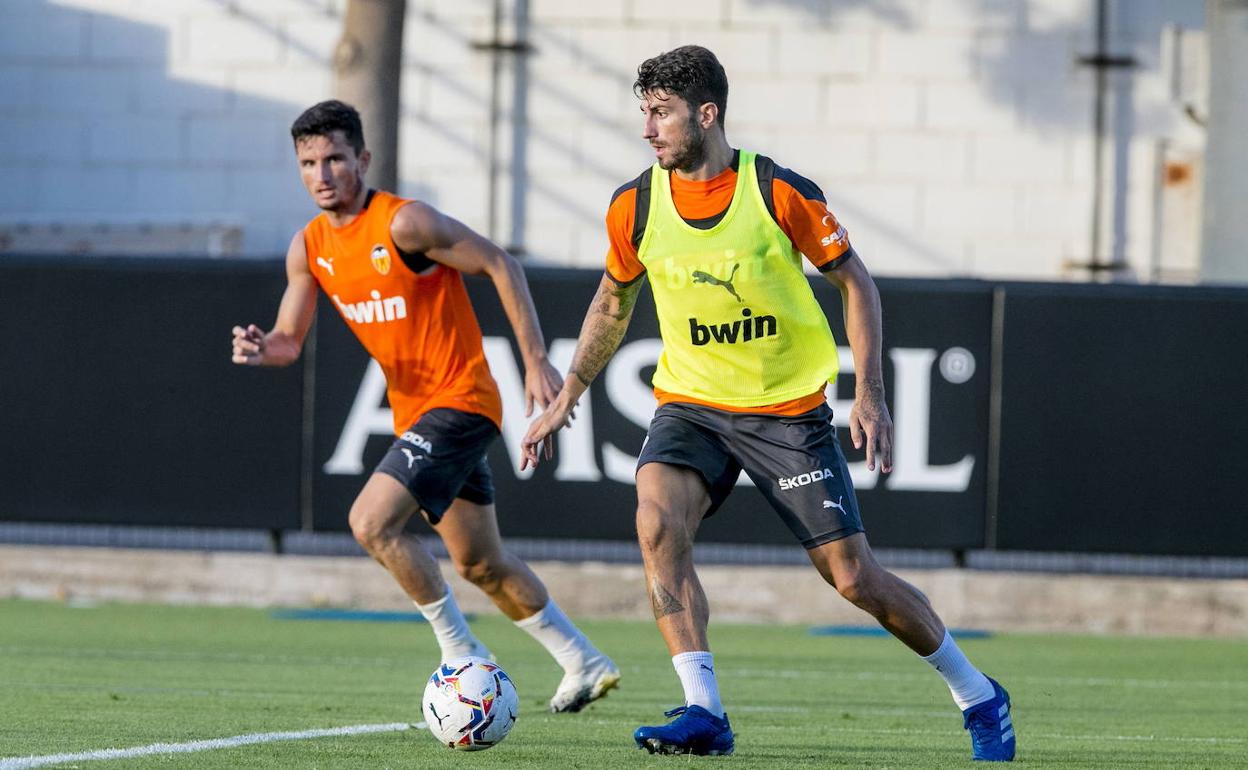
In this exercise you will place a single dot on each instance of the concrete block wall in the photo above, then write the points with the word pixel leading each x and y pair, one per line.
pixel 953 137
pixel 161 111
pixel 997 601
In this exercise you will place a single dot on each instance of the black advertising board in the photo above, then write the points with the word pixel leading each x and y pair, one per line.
pixel 119 404
pixel 1124 428
pixel 936 370
pixel 1120 424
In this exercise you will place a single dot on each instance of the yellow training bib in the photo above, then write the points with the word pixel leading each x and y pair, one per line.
pixel 739 322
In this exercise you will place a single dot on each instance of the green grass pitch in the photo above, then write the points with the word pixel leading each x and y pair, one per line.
pixel 84 679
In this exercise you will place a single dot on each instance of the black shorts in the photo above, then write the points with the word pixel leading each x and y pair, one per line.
pixel 442 457
pixel 796 462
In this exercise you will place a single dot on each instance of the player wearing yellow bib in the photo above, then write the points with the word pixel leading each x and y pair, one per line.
pixel 747 353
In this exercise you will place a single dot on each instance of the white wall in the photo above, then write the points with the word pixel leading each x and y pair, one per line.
pixel 953 137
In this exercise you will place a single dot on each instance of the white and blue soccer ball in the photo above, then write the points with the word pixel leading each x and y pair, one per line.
pixel 470 704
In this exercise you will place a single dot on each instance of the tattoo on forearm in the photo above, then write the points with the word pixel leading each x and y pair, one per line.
pixel 872 390
pixel 604 329
pixel 663 602
pixel 870 400
pixel 616 300
pixel 602 343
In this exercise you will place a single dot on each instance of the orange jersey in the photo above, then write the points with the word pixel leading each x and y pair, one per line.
pixel 420 328
pixel 799 208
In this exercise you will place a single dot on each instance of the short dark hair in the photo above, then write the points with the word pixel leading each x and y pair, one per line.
pixel 324 118
pixel 691 72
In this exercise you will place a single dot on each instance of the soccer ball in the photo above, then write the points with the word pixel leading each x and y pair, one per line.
pixel 470 704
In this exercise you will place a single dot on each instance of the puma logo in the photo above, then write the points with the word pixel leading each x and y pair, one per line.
pixel 708 668
pixel 434 711
pixel 701 277
pixel 838 505
pixel 411 458
pixel 328 264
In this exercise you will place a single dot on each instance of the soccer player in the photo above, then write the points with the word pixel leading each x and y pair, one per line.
pixel 747 353
pixel 392 268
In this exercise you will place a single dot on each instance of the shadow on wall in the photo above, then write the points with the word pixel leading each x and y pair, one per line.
pixel 136 143
pixel 999 65
pixel 1016 44
pixel 613 166
pixel 122 126
pixel 577 210
pixel 1023 61
pixel 896 14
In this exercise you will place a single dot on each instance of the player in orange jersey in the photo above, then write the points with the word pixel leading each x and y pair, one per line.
pixel 392 268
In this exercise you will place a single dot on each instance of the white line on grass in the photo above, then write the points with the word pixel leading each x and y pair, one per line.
pixel 23 763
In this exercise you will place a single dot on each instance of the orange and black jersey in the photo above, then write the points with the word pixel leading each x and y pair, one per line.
pixel 411 314
pixel 796 203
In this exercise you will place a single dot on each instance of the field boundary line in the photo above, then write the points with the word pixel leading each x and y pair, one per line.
pixel 24 763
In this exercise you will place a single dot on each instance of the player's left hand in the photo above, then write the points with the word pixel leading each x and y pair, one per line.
pixel 541 386
pixel 870 424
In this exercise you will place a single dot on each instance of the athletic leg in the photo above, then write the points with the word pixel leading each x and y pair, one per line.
pixel 377 519
pixel 671 502
pixel 470 532
pixel 905 612
pixel 849 566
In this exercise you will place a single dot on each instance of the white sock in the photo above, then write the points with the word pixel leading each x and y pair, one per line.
pixel 451 629
pixel 967 684
pixel 697 676
pixel 564 641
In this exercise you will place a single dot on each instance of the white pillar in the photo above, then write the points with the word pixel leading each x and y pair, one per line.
pixel 1224 250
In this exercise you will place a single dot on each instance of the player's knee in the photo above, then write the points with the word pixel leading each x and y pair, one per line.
pixel 851 590
pixel 659 530
pixel 479 572
pixel 370 532
pixel 860 589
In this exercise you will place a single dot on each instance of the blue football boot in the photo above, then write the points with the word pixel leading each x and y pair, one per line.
pixel 992 732
pixel 694 731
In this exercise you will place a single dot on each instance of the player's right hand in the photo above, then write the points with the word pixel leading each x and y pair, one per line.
pixel 539 441
pixel 248 345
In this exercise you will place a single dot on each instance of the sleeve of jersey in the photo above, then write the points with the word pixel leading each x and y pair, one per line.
pixel 622 262
pixel 803 214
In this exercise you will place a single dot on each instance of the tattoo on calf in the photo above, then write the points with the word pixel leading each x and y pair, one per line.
pixel 663 602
